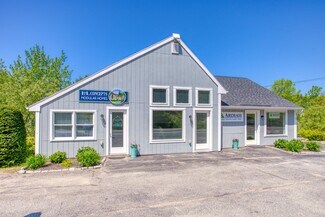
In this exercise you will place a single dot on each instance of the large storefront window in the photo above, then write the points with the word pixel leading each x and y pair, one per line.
pixel 275 123
pixel 167 125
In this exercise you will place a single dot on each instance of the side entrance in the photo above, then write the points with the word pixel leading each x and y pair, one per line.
pixel 252 127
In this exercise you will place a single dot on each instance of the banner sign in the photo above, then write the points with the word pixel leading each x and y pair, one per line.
pixel 274 115
pixel 116 96
pixel 232 116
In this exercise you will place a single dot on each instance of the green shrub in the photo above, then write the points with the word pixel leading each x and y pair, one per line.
pixel 58 157
pixel 281 143
pixel 294 145
pixel 66 163
pixel 87 156
pixel 315 135
pixel 34 162
pixel 30 146
pixel 12 137
pixel 313 146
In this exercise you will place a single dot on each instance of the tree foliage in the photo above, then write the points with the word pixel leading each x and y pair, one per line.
pixel 311 121
pixel 32 78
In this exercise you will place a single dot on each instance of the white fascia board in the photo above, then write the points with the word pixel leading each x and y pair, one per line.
pixel 261 107
pixel 37 106
pixel 221 89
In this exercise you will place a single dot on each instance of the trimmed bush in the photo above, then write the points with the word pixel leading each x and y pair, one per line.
pixel 87 156
pixel 58 157
pixel 30 146
pixel 313 146
pixel 12 137
pixel 294 145
pixel 281 143
pixel 314 135
pixel 34 162
pixel 66 163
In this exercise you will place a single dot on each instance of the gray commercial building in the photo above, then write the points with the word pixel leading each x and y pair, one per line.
pixel 165 100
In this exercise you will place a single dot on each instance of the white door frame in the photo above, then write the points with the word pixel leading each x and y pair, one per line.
pixel 125 128
pixel 209 129
pixel 257 126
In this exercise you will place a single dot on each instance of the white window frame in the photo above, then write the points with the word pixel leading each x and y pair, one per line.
pixel 189 104
pixel 152 87
pixel 197 97
pixel 285 126
pixel 175 50
pixel 151 140
pixel 74 125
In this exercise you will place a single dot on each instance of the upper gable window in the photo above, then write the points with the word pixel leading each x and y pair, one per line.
pixel 182 96
pixel 204 97
pixel 175 47
pixel 159 95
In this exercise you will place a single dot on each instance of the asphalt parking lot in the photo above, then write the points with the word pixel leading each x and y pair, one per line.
pixel 253 181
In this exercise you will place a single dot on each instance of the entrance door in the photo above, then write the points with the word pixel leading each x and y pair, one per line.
pixel 118 132
pixel 202 130
pixel 251 128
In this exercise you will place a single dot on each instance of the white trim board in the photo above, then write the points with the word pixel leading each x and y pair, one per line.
pixel 221 89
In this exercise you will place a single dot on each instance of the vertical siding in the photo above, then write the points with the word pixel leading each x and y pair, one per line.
pixel 231 130
pixel 159 67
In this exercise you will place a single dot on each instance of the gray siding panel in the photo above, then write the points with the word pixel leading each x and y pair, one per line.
pixel 232 130
pixel 159 67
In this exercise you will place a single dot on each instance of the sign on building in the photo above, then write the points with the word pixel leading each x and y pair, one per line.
pixel 232 116
pixel 116 96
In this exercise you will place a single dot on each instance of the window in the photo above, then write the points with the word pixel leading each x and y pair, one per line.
pixel 167 125
pixel 175 47
pixel 62 125
pixel 73 125
pixel 182 96
pixel 276 123
pixel 203 97
pixel 85 125
pixel 159 95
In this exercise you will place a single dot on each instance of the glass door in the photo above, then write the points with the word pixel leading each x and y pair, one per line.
pixel 251 128
pixel 118 132
pixel 202 127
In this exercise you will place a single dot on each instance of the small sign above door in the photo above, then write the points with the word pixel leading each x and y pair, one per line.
pixel 232 116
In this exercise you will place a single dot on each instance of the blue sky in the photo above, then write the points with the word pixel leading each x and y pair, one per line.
pixel 261 40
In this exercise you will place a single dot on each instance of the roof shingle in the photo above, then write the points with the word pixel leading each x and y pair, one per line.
pixel 244 92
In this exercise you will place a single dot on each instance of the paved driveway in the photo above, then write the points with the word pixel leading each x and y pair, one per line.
pixel 254 181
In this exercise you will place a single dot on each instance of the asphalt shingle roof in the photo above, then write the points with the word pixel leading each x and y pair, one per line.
pixel 244 92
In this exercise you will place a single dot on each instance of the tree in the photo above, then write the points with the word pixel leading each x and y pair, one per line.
pixel 286 89
pixel 31 79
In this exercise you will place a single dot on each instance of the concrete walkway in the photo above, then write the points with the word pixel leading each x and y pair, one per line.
pixel 253 181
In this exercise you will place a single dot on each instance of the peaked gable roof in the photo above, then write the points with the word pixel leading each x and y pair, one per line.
pixel 243 92
pixel 36 106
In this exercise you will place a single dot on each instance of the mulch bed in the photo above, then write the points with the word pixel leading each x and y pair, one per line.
pixel 51 166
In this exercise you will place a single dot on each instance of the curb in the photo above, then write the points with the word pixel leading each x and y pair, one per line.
pixel 24 170
pixel 298 153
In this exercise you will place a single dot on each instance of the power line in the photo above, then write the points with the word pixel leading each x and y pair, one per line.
pixel 302 81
